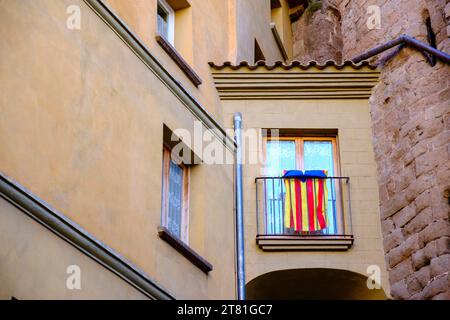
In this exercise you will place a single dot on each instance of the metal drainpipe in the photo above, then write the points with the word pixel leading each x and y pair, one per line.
pixel 240 261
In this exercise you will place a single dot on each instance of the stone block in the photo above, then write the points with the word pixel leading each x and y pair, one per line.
pixel 435 230
pixel 401 271
pixel 399 290
pixel 387 226
pixel 440 265
pixel 404 216
pixel 419 222
pixel 436 286
pixel 404 250
pixel 393 240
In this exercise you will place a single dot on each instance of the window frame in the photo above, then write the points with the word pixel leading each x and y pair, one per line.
pixel 165 6
pixel 299 160
pixel 184 219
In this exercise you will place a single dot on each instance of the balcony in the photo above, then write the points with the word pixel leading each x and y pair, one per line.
pixel 322 221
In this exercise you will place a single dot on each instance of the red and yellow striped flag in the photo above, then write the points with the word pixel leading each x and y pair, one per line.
pixel 305 204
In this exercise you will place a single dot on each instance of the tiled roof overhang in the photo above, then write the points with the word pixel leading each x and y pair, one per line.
pixel 295 80
pixel 294 64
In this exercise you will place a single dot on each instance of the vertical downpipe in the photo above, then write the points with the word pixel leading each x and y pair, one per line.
pixel 240 261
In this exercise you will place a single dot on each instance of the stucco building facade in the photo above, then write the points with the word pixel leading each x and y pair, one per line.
pixel 98 93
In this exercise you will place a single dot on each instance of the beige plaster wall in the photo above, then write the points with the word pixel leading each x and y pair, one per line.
pixel 253 19
pixel 82 128
pixel 213 30
pixel 280 16
pixel 34 261
pixel 352 119
pixel 203 37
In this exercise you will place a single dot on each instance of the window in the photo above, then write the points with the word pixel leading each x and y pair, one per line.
pixel 166 21
pixel 175 35
pixel 300 153
pixel 175 196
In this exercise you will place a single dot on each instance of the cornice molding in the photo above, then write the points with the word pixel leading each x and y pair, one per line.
pixel 294 81
pixel 143 53
pixel 76 236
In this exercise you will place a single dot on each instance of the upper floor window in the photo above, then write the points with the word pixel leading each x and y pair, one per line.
pixel 175 35
pixel 175 195
pixel 166 21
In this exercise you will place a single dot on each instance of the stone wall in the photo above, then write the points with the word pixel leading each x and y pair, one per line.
pixel 410 109
pixel 317 34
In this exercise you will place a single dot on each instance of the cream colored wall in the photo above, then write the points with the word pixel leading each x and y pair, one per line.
pixel 184 34
pixel 34 261
pixel 280 16
pixel 352 119
pixel 220 31
pixel 200 41
pixel 82 128
pixel 253 19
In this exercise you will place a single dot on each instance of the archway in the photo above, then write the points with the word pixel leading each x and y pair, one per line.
pixel 312 284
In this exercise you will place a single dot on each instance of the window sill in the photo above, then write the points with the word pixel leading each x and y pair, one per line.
pixel 185 250
pixel 178 59
pixel 304 242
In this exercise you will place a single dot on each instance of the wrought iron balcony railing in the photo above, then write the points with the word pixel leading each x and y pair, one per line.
pixel 313 214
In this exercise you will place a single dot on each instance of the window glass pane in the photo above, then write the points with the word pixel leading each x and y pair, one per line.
pixel 175 199
pixel 163 24
pixel 318 155
pixel 281 155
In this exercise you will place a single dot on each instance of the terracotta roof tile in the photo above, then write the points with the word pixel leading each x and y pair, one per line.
pixel 293 64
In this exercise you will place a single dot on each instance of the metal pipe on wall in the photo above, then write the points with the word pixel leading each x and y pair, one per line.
pixel 239 198
pixel 405 40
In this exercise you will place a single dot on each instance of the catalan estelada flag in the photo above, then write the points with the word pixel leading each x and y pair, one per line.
pixel 305 201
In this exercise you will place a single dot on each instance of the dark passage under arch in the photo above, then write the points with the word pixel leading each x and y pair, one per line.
pixel 312 284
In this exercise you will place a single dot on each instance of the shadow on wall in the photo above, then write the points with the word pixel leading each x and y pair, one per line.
pixel 312 284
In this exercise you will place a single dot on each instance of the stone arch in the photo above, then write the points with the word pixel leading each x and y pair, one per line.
pixel 312 284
